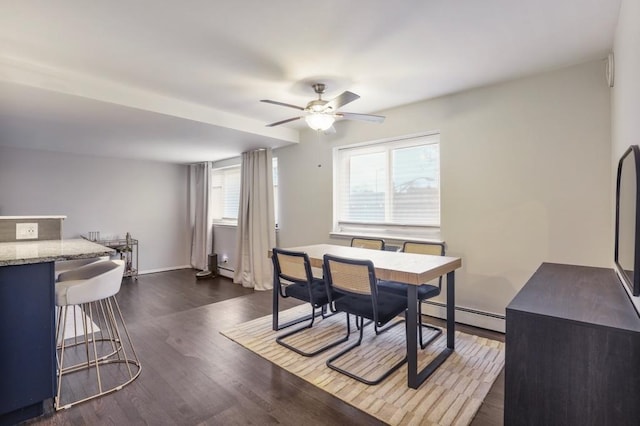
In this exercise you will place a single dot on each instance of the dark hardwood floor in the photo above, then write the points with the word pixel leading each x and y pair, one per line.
pixel 192 375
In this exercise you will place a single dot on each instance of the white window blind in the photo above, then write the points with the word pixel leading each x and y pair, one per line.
pixel 391 183
pixel 225 193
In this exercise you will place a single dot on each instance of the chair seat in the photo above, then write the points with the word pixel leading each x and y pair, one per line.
pixel 389 306
pixel 425 291
pixel 298 290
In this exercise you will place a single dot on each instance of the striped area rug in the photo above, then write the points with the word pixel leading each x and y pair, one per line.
pixel 451 396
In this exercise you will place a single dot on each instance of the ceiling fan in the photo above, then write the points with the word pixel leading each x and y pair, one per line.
pixel 320 114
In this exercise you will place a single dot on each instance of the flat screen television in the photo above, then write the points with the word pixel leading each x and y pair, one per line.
pixel 627 237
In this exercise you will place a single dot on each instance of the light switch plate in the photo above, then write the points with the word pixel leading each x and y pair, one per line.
pixel 26 231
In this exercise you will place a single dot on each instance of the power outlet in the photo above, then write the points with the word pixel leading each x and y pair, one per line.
pixel 26 231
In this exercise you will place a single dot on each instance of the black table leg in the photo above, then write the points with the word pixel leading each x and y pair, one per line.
pixel 415 377
pixel 412 336
pixel 451 310
pixel 275 308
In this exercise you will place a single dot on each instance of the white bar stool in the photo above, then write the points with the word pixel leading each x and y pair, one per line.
pixel 102 359
pixel 69 265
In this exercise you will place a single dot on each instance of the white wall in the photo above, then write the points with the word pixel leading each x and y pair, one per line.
pixel 113 196
pixel 625 96
pixel 525 170
pixel 224 245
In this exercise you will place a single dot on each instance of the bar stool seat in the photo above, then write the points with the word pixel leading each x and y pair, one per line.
pixel 103 351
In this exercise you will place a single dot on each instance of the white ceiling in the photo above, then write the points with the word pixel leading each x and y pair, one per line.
pixel 181 81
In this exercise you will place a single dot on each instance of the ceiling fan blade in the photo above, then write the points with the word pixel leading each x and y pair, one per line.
pixel 342 99
pixel 362 117
pixel 277 123
pixel 281 104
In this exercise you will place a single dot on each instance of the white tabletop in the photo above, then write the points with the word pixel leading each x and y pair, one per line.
pixel 409 268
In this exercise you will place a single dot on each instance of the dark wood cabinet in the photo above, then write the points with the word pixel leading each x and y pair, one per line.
pixel 572 350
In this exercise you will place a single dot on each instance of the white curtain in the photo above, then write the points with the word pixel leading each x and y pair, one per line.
pixel 202 224
pixel 256 233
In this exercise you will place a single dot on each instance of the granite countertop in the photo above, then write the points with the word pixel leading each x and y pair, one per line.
pixel 28 252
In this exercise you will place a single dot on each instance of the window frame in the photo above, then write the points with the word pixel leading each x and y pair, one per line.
pixel 225 220
pixel 342 227
pixel 228 221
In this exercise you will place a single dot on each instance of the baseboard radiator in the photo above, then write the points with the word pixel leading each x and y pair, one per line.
pixel 225 271
pixel 468 316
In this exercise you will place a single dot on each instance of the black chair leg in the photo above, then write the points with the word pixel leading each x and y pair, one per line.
pixel 324 312
pixel 365 324
pixel 280 340
pixel 355 345
pixel 298 320
pixel 388 327
pixel 430 327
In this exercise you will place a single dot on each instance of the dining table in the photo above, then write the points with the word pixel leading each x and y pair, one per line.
pixel 413 269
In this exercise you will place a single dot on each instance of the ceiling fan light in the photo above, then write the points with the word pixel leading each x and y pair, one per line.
pixel 319 121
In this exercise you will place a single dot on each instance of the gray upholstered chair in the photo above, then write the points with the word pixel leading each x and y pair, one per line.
pixel 68 265
pixel 102 359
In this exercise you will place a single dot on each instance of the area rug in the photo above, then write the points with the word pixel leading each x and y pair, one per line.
pixel 451 396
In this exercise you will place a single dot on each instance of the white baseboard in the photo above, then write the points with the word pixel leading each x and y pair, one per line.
pixel 225 271
pixel 170 268
pixel 468 316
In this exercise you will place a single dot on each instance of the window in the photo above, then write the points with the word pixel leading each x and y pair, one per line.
pixel 387 185
pixel 225 193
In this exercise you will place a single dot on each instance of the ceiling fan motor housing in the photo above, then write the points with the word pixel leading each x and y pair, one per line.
pixel 320 114
pixel 317 106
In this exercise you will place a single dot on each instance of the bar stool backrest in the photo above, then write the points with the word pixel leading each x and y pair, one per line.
pixel 89 283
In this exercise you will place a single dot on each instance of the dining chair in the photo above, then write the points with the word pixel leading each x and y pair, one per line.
pixel 425 291
pixel 293 278
pixel 368 243
pixel 355 281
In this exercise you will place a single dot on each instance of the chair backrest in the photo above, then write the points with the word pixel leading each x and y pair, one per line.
pixel 435 249
pixel 368 243
pixel 91 282
pixel 356 277
pixel 68 265
pixel 292 265
pixel 350 275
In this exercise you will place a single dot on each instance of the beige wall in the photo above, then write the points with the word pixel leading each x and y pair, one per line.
pixel 526 178
pixel 113 196
pixel 625 96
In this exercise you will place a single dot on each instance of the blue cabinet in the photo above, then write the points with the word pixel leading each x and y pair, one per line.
pixel 27 340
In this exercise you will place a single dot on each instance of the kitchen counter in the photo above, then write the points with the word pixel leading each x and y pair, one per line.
pixel 27 323
pixel 29 252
